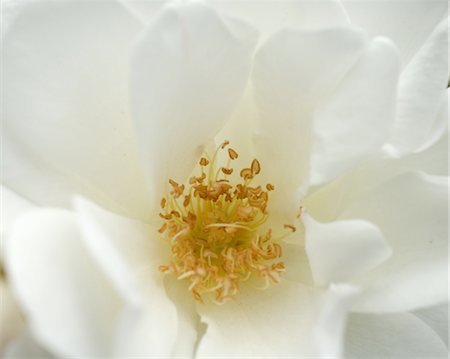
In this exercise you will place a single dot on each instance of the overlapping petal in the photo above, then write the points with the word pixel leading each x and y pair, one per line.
pixel 411 210
pixel 65 82
pixel 271 16
pixel 185 83
pixel 355 122
pixel 69 304
pixel 422 93
pixel 25 346
pixel 341 250
pixel 293 71
pixel 289 320
pixel 129 253
pixel 261 323
pixel 398 21
pixel 399 335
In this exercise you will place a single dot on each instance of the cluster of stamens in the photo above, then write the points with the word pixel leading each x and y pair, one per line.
pixel 212 227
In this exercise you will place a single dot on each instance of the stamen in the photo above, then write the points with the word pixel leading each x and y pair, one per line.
pixel 212 228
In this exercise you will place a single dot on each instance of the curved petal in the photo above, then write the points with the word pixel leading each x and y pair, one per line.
pixel 298 268
pixel 188 319
pixel 329 331
pixel 271 16
pixel 12 206
pixel 341 250
pixel 10 315
pixel 71 310
pixel 355 122
pixel 398 20
pixel 411 211
pixel 437 319
pixel 422 91
pixel 434 160
pixel 399 335
pixel 293 71
pixel 25 346
pixel 286 320
pixel 68 62
pixel 275 322
pixel 129 253
pixel 186 81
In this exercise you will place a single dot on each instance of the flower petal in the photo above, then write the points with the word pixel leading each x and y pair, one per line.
pixel 10 314
pixel 422 91
pixel 271 16
pixel 293 71
pixel 355 121
pixel 341 250
pixel 24 346
pixel 411 210
pixel 398 21
pixel 434 160
pixel 275 322
pixel 185 83
pixel 68 62
pixel 71 310
pixel 400 335
pixel 286 320
pixel 13 206
pixel 129 253
pixel 188 319
pixel 331 323
pixel 437 319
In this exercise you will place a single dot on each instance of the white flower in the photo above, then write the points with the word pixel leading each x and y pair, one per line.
pixel 99 104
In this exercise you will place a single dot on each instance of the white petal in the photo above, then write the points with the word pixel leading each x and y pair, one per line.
pixel 297 264
pixel 293 71
pixel 10 314
pixel 399 335
pixel 355 122
pixel 143 333
pixel 331 323
pixel 129 253
pixel 275 322
pixel 12 206
pixel 287 320
pixel 25 346
pixel 437 319
pixel 439 126
pixel 271 16
pixel 188 319
pixel 422 91
pixel 411 211
pixel 434 160
pixel 70 306
pixel 398 20
pixel 341 250
pixel 68 62
pixel 189 70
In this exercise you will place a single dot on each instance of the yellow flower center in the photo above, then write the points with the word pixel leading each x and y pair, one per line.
pixel 212 226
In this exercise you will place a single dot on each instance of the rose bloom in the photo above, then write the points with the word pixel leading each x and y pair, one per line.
pixel 224 180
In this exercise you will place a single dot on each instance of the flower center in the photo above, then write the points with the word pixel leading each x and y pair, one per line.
pixel 212 226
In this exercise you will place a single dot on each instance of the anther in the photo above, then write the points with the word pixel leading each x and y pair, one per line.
pixel 232 154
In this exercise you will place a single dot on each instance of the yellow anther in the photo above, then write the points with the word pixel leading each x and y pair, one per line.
pixel 232 154
pixel 246 173
pixel 256 167
pixel 290 226
pixel 227 171
pixel 213 231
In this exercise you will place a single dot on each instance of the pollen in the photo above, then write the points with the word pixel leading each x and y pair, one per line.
pixel 213 226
